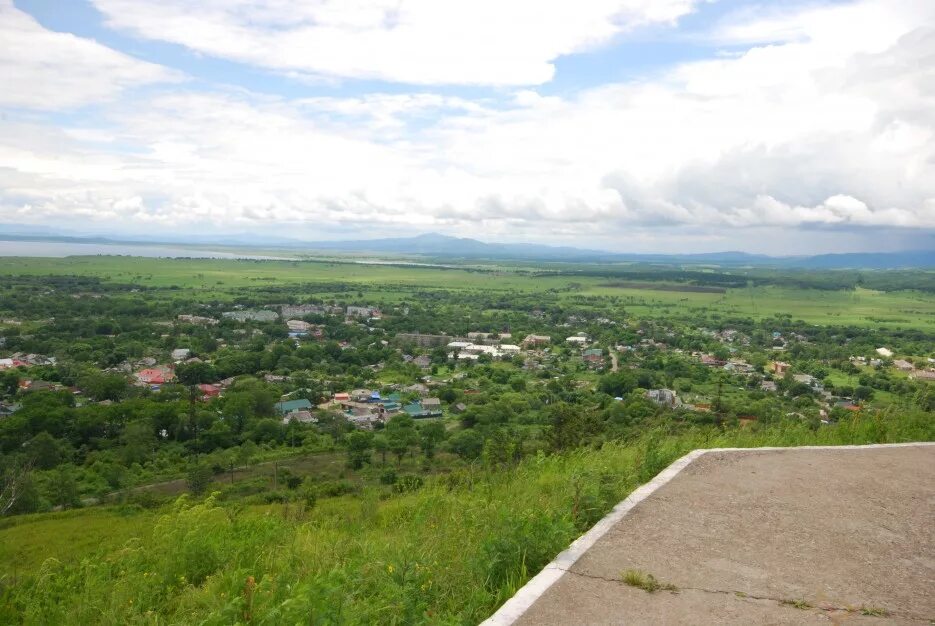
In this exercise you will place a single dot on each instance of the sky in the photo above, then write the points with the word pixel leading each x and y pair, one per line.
pixel 626 125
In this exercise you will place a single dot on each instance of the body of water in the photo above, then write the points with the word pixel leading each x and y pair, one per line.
pixel 64 249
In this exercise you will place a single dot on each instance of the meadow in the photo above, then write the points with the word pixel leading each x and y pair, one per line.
pixel 222 279
pixel 448 553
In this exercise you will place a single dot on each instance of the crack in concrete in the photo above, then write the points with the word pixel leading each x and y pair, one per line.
pixel 745 596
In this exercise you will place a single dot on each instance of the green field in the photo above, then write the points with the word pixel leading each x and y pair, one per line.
pixel 212 278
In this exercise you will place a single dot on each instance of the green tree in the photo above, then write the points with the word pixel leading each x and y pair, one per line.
pixel 63 489
pixel 45 450
pixel 432 434
pixel 572 426
pixel 467 443
pixel 381 444
pixel 139 441
pixel 401 435
pixel 359 445
pixel 199 477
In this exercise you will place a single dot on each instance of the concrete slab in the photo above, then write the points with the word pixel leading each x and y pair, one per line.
pixel 788 536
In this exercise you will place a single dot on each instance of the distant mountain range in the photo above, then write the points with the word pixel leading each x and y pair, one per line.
pixel 446 247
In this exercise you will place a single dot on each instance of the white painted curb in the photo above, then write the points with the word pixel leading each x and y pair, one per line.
pixel 516 606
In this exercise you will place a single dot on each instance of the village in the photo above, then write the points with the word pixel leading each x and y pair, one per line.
pixel 441 361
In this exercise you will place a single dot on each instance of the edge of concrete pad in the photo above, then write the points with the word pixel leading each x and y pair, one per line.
pixel 528 594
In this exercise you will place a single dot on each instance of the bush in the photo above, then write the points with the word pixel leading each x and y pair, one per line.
pixel 407 483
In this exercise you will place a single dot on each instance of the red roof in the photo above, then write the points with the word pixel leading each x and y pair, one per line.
pixel 210 390
pixel 155 376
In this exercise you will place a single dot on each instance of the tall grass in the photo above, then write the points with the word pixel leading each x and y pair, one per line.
pixel 449 553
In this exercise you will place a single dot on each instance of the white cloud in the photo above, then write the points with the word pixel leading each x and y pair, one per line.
pixel 42 69
pixel 780 136
pixel 418 41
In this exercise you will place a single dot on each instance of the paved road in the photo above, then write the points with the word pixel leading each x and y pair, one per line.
pixel 767 537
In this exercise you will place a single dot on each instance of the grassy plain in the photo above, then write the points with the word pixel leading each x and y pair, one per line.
pixel 221 278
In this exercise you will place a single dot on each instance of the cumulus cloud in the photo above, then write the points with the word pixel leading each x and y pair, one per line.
pixel 42 69
pixel 784 135
pixel 483 42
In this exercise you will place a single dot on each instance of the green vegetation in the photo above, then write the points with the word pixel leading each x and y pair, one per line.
pixel 798 604
pixel 172 451
pixel 646 582
pixel 449 552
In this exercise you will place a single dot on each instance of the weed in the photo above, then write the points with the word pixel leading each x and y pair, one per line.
pixel 875 611
pixel 646 582
pixel 799 604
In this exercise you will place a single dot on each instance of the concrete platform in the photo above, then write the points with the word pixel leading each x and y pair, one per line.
pixel 769 536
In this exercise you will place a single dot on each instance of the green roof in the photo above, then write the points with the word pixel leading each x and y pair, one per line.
pixel 413 409
pixel 293 405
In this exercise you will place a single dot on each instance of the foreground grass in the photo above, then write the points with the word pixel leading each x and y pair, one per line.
pixel 449 553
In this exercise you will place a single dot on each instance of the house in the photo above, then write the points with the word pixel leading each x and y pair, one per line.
pixel 779 368
pixel 577 340
pixel 156 375
pixel 416 410
pixel 432 404
pixel 459 408
pixel 363 421
pixel 180 354
pixel 284 407
pixel 12 362
pixel 209 391
pixel 903 365
pixel 363 311
pixel 922 375
pixel 425 341
pixel 360 395
pixel 508 348
pixel 885 352
pixel 738 365
pixel 301 416
pixel 7 410
pixel 459 345
pixel 532 341
pixel 418 388
pixel 301 310
pixel 807 379
pixel 663 397
pixel 197 319
pixel 257 315
pixel 768 385
pixel 593 356
pixel 342 397
pixel 298 326
pixel 423 362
